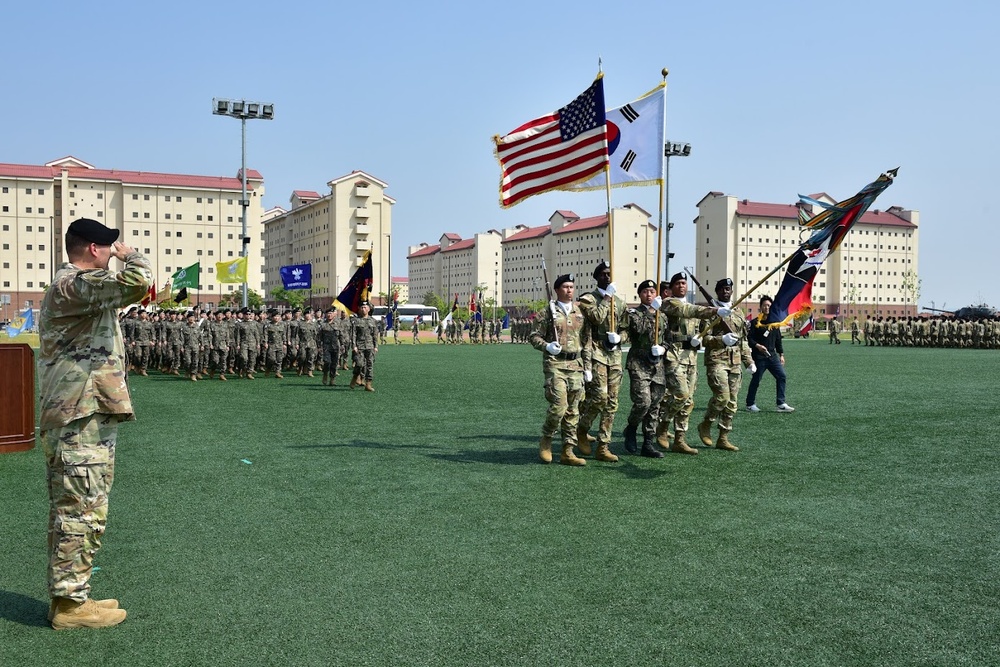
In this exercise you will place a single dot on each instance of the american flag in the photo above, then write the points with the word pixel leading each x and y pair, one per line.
pixel 554 151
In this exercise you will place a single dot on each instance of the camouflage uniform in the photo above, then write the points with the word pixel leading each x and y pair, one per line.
pixel 605 365
pixel 646 375
pixel 329 342
pixel 144 334
pixel 189 355
pixel 364 342
pixel 563 372
pixel 275 333
pixel 724 373
pixel 308 339
pixel 83 396
pixel 219 351
pixel 681 365
pixel 344 332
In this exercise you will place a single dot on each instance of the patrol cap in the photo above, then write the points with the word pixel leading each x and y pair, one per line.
pixel 646 284
pixel 601 268
pixel 93 232
pixel 723 282
pixel 677 277
pixel 564 278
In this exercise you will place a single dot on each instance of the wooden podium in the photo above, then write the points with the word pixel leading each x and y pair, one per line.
pixel 17 398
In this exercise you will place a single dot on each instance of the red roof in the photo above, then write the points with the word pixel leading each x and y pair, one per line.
pixel 461 245
pixel 451 236
pixel 305 194
pixel 529 233
pixel 400 279
pixel 584 223
pixel 129 177
pixel 423 252
pixel 748 209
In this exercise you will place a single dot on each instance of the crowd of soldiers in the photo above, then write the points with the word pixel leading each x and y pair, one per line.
pixel 242 343
pixel 451 331
pixel 923 331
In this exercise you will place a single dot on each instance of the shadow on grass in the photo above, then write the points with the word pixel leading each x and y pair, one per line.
pixel 358 444
pixel 23 609
pixel 516 457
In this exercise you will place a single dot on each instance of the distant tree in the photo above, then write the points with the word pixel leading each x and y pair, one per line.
pixel 235 299
pixel 295 298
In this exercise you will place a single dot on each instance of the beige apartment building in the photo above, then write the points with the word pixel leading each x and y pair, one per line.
pixel 874 272
pixel 173 219
pixel 571 244
pixel 332 232
pixel 456 265
pixel 509 262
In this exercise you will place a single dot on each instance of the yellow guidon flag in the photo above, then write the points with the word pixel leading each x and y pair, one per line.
pixel 232 272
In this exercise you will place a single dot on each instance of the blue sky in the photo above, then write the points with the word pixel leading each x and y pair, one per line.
pixel 776 98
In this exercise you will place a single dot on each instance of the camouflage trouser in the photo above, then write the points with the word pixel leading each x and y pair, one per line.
pixel 563 391
pixel 725 382
pixel 602 399
pixel 141 358
pixel 364 364
pixel 247 358
pixel 217 360
pixel 646 396
pixel 178 356
pixel 331 357
pixel 80 467
pixel 275 355
pixel 307 358
pixel 190 361
pixel 679 400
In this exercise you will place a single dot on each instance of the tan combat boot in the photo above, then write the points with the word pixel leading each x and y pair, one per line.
pixel 680 446
pixel 326 376
pixel 705 433
pixel 222 377
pixel 663 435
pixel 723 442
pixel 250 375
pixel 568 458
pixel 545 450
pixel 368 386
pixel 69 614
pixel 355 381
pixel 110 603
pixel 604 454
pixel 583 440
pixel 278 375
pixel 194 378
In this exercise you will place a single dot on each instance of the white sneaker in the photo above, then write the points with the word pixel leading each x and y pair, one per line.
pixel 753 408
pixel 785 407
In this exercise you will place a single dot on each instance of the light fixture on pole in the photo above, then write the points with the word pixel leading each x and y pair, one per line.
pixel 243 110
pixel 670 150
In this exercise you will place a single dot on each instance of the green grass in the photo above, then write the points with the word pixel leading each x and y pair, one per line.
pixel 414 526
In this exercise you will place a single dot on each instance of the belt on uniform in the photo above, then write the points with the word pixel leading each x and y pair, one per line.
pixel 567 356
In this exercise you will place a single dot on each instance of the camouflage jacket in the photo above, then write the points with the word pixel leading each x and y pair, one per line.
pixel 81 365
pixel 597 319
pixel 364 333
pixel 641 325
pixel 716 351
pixel 682 325
pixel 570 333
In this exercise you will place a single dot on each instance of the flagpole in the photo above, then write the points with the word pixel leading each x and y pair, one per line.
pixel 659 236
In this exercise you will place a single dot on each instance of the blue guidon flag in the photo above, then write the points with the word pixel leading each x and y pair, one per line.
pixel 296 276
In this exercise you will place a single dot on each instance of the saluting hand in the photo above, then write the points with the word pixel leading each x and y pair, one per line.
pixel 119 250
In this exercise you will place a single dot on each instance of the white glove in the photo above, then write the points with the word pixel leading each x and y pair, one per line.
pixel 657 350
pixel 553 348
pixel 587 376
pixel 611 290
pixel 725 312
pixel 753 368
pixel 614 338
pixel 730 339
pixel 695 342
pixel 657 302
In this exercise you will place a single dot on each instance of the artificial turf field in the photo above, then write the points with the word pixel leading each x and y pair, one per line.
pixel 286 523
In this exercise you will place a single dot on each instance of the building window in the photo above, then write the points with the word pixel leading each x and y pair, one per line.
pixel 135 197
pixel 178 234
pixel 145 232
pixel 135 214
pixel 145 216
pixel 167 251
pixel 100 214
pixel 210 218
pixel 177 199
pixel 27 209
pixel 210 234
pixel 100 195
pixel 145 197
pixel 135 232
pixel 166 216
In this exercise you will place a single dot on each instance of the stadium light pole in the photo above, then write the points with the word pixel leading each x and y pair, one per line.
pixel 670 150
pixel 243 110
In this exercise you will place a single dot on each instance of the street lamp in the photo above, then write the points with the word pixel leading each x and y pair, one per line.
pixel 670 150
pixel 243 110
